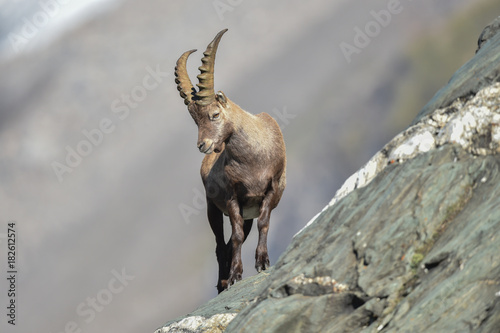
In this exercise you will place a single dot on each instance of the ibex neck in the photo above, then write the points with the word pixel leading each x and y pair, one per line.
pixel 247 137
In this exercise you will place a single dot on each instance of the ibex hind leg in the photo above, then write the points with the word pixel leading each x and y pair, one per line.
pixel 247 226
pixel 217 224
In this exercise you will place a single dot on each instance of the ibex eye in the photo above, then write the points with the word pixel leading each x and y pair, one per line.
pixel 215 116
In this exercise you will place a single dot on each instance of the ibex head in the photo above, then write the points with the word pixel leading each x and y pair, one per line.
pixel 208 109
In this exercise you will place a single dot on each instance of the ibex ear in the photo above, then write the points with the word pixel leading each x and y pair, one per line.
pixel 221 98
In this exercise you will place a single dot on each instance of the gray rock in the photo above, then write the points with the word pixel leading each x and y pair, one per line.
pixel 491 30
pixel 415 237
pixel 479 72
pixel 216 314
pixel 410 242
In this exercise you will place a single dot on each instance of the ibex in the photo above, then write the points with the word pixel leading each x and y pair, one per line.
pixel 243 170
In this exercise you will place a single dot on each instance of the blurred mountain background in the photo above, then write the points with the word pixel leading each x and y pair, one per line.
pixel 130 204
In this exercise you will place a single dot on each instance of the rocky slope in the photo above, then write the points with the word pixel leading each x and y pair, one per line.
pixel 410 243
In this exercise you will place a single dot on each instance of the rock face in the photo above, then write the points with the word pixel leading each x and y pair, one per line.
pixel 482 70
pixel 410 243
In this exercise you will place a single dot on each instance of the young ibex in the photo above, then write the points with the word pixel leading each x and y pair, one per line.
pixel 244 168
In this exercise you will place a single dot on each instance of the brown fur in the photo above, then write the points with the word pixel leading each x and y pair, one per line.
pixel 244 178
pixel 243 174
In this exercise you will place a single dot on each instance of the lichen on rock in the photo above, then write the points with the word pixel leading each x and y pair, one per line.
pixel 194 324
pixel 474 124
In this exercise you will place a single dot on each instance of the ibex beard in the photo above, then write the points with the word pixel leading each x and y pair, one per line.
pixel 244 167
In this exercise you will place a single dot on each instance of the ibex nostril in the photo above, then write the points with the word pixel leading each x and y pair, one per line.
pixel 201 145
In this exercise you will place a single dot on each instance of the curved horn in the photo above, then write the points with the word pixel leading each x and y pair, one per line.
pixel 184 84
pixel 206 94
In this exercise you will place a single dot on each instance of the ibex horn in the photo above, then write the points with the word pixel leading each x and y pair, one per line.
pixel 206 94
pixel 184 84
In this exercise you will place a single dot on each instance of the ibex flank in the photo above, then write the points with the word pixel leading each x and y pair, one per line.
pixel 243 170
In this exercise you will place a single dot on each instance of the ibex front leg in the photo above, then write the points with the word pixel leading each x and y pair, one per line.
pixel 237 238
pixel 261 254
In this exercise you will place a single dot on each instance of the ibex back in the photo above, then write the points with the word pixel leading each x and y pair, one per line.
pixel 244 168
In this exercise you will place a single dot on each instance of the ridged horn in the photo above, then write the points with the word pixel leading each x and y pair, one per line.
pixel 206 93
pixel 184 84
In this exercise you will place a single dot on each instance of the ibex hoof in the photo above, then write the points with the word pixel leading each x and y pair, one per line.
pixel 221 286
pixel 234 278
pixel 261 264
